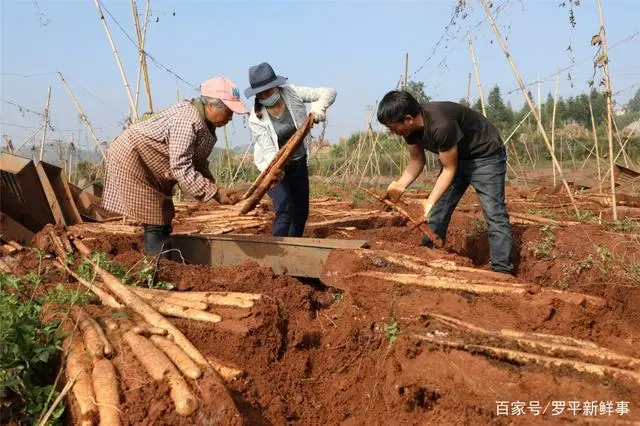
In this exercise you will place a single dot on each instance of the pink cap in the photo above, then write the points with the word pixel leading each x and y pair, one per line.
pixel 224 89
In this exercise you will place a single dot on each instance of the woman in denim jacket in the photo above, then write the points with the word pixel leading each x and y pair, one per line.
pixel 278 111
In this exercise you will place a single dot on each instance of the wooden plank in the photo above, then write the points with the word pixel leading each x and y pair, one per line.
pixel 50 194
pixel 13 230
pixel 21 192
pixel 303 257
pixel 62 193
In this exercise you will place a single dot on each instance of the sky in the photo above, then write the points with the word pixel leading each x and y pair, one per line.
pixel 357 47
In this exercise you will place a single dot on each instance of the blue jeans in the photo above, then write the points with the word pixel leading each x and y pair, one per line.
pixel 291 200
pixel 487 176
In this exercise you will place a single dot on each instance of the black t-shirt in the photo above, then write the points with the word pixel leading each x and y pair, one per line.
pixel 448 123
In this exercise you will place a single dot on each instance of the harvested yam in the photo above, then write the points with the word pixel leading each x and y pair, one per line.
pixel 159 366
pixel 110 324
pixel 147 330
pixel 105 384
pixel 182 312
pixel 178 356
pixel 5 268
pixel 524 358
pixel 7 249
pixel 155 300
pixel 92 339
pixel 58 247
pixel 78 368
pixel 241 300
pixel 137 304
pixel 108 349
pixel 549 344
pixel 16 245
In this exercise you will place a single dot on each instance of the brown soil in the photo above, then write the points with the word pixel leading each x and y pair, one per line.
pixel 344 350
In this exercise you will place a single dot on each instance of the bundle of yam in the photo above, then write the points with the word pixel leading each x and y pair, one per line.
pixel 162 349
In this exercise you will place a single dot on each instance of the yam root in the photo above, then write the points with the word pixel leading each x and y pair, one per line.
pixel 16 245
pixel 137 304
pixel 185 364
pixel 5 268
pixel 241 300
pixel 78 368
pixel 524 358
pixel 147 330
pixel 156 300
pixel 92 340
pixel 105 384
pixel 549 344
pixel 187 313
pixel 110 324
pixel 159 366
pixel 108 349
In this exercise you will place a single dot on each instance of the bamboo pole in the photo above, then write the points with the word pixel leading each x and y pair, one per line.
pixel 469 89
pixel 46 123
pixel 406 70
pixel 529 102
pixel 553 123
pixel 115 54
pixel 608 95
pixel 475 69
pixel 144 38
pixel 143 55
pixel 83 116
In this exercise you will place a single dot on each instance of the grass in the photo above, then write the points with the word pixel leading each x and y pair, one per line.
pixel 145 276
pixel 543 248
pixel 543 213
pixel 624 226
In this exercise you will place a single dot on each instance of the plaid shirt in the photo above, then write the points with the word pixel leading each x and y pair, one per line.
pixel 150 157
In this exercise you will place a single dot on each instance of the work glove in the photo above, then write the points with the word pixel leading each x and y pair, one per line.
pixel 318 115
pixel 427 207
pixel 394 192
pixel 229 197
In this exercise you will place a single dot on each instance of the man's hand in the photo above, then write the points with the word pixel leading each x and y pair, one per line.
pixel 394 192
pixel 228 197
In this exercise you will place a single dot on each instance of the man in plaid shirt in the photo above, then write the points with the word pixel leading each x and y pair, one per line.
pixel 172 146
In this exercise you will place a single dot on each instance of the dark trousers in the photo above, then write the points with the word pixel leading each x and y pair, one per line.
pixel 291 200
pixel 157 239
pixel 487 176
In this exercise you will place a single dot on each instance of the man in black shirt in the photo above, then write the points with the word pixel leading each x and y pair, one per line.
pixel 471 152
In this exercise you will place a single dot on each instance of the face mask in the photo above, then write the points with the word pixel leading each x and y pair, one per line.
pixel 271 100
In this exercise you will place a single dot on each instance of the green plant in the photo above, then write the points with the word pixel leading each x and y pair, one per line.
pixel 606 259
pixel 543 213
pixel 85 269
pixel 62 295
pixel 586 216
pixel 544 247
pixel 357 197
pixel 625 225
pixel 28 348
pixel 147 276
pixel 392 331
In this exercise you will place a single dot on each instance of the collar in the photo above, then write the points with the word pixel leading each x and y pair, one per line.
pixel 199 106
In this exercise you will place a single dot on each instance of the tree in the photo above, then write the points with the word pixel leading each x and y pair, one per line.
pixel 463 101
pixel 497 111
pixel 416 88
pixel 634 103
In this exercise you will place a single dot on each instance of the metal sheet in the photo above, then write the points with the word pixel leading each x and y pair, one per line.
pixel 302 257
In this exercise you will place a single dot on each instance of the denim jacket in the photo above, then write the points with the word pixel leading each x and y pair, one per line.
pixel 263 135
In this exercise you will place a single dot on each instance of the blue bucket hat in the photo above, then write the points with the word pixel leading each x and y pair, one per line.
pixel 261 78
